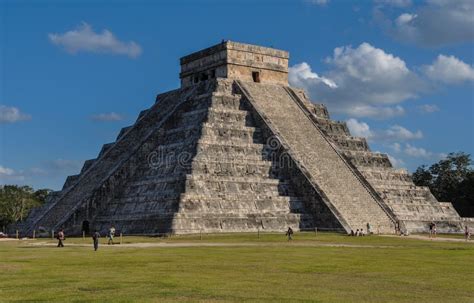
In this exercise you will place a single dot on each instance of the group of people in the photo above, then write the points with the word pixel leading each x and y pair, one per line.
pixel 357 233
pixel 360 232
pixel 95 237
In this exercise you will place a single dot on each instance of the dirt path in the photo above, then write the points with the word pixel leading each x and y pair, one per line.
pixel 210 244
pixel 438 239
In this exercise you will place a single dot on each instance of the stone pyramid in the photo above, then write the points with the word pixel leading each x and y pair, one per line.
pixel 236 149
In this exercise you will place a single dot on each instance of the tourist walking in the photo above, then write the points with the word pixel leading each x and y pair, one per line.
pixel 289 233
pixel 95 238
pixel 467 233
pixel 111 235
pixel 369 228
pixel 431 229
pixel 60 238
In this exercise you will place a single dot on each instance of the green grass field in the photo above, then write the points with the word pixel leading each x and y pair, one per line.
pixel 323 267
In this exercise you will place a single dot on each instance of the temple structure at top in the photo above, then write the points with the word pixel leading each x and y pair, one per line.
pixel 233 60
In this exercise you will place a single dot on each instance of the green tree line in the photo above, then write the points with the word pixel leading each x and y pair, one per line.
pixel 17 201
pixel 450 180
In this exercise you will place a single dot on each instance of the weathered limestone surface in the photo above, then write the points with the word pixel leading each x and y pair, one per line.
pixel 414 206
pixel 225 154
pixel 307 145
pixel 233 60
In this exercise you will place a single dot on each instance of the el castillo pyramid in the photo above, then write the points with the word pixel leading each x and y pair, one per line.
pixel 237 149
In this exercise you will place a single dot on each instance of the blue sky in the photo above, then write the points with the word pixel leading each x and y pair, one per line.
pixel 72 73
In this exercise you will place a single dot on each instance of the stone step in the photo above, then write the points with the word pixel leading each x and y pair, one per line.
pixel 141 205
pixel 417 192
pixel 136 217
pixel 387 184
pixel 212 185
pixel 229 116
pixel 87 165
pixel 332 127
pixel 192 117
pixel 226 101
pixel 132 193
pixel 142 113
pixel 351 143
pixel 208 203
pixel 70 180
pixel 106 147
pixel 364 158
pixel 123 131
pixel 233 168
pixel 385 173
pixel 320 110
pixel 232 133
pixel 181 133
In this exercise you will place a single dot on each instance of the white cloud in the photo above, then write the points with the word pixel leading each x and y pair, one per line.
pixel 449 70
pixel 395 3
pixel 397 132
pixel 396 162
pixel 437 23
pixel 319 2
pixel 300 74
pixel 396 147
pixel 63 165
pixel 8 175
pixel 405 18
pixel 10 114
pixel 106 117
pixel 84 39
pixel 377 112
pixel 5 171
pixel 361 82
pixel 428 108
pixel 393 133
pixel 359 129
pixel 417 152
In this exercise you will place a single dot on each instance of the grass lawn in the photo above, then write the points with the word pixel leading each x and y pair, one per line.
pixel 323 267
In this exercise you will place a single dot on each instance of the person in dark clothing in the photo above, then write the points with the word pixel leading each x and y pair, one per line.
pixel 60 238
pixel 289 233
pixel 95 238
pixel 431 226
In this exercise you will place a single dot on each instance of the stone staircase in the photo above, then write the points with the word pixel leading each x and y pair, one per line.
pixel 351 199
pixel 414 206
pixel 232 186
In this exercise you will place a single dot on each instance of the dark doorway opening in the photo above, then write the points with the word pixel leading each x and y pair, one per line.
pixel 256 77
pixel 203 77
pixel 85 226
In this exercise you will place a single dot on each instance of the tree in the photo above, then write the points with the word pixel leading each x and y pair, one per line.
pixel 451 179
pixel 17 201
pixel 422 176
